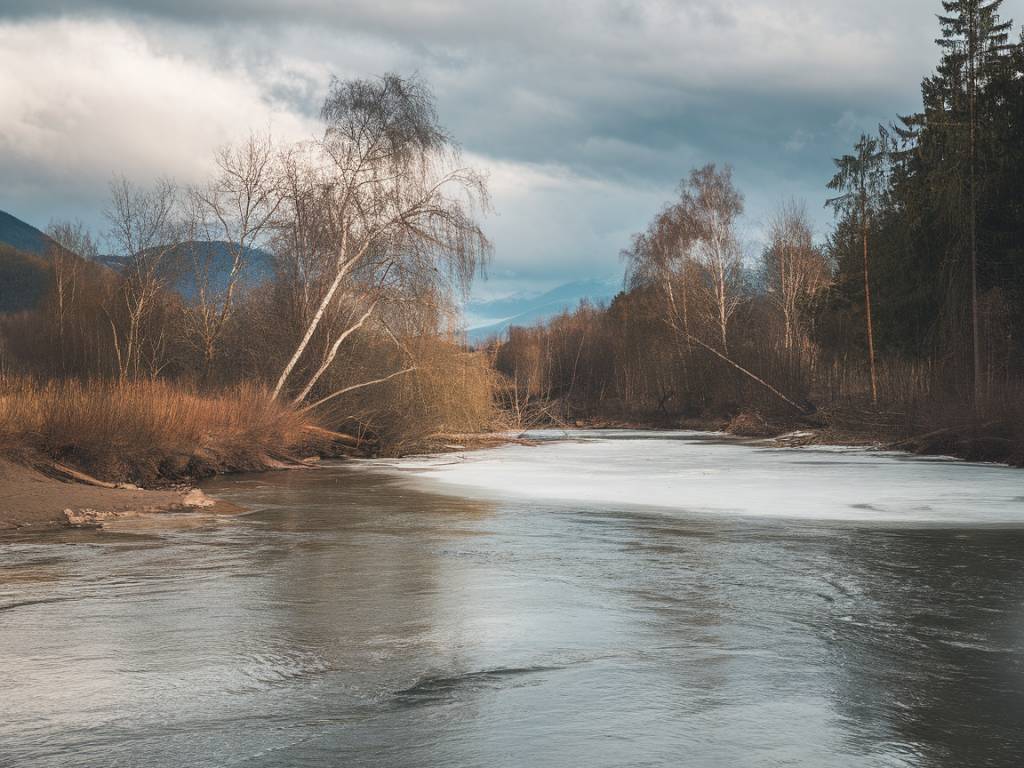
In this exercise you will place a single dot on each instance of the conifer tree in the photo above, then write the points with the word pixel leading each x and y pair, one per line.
pixel 862 178
pixel 975 44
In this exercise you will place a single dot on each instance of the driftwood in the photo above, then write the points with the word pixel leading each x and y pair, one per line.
pixel 67 474
pixel 88 518
pixel 460 441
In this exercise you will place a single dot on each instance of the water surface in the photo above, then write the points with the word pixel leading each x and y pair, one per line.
pixel 667 600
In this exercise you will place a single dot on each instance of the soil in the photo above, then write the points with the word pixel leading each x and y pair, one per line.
pixel 31 500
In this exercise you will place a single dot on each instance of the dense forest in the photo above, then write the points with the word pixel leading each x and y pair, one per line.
pixel 907 320
pixel 306 297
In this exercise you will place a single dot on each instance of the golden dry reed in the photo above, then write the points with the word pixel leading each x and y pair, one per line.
pixel 144 430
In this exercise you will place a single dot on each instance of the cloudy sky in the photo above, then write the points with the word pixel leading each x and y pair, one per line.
pixel 585 112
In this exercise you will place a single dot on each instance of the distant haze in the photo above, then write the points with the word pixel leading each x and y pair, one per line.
pixel 586 114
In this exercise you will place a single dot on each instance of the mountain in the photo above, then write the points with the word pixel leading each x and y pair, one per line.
pixel 22 236
pixel 489 318
pixel 25 252
pixel 178 267
pixel 24 274
pixel 24 278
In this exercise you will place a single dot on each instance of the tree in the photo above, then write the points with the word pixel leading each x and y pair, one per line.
pixel 794 268
pixel 71 242
pixel 974 40
pixel 709 206
pixel 144 229
pixel 863 180
pixel 379 207
pixel 663 258
pixel 233 211
pixel 956 149
pixel 693 244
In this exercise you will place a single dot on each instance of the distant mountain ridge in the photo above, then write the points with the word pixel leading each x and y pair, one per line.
pixel 178 267
pixel 24 265
pixel 22 279
pixel 22 235
pixel 489 318
pixel 24 273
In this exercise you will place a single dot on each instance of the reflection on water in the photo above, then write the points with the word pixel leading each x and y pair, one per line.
pixel 356 620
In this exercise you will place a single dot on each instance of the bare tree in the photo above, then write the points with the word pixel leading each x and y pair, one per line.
pixel 233 213
pixel 71 242
pixel 663 257
pixel 145 230
pixel 379 206
pixel 709 206
pixel 692 247
pixel 794 268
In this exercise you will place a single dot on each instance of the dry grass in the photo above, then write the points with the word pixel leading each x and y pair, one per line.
pixel 144 431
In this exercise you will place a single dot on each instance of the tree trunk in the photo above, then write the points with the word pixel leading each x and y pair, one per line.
pixel 354 387
pixel 332 353
pixel 749 374
pixel 867 312
pixel 975 336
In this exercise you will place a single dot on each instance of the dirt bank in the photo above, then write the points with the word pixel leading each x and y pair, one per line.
pixel 32 500
pixel 993 441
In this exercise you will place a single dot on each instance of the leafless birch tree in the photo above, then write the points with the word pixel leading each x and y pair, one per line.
pixel 794 268
pixel 709 206
pixel 145 230
pixel 693 247
pixel 233 212
pixel 71 243
pixel 381 202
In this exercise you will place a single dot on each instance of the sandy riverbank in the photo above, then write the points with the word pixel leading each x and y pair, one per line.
pixel 31 500
pixel 36 500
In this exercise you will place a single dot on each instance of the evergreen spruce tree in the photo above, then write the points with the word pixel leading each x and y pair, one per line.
pixel 974 41
pixel 862 178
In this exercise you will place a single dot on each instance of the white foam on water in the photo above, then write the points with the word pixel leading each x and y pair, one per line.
pixel 689 472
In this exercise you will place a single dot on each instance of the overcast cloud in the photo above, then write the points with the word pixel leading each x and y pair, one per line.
pixel 586 113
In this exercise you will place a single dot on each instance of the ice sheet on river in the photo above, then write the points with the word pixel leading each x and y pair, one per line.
pixel 701 473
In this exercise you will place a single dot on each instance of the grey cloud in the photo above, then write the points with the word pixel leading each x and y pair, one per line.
pixel 626 93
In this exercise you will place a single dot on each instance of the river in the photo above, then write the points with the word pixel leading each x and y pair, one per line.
pixel 603 599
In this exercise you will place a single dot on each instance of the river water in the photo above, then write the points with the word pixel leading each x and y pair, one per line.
pixel 609 599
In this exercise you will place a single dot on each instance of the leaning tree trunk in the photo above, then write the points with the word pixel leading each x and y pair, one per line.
pixel 749 374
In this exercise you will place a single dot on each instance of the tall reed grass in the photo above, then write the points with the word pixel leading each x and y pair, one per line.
pixel 144 431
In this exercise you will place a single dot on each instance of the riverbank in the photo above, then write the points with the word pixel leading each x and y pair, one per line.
pixel 39 491
pixel 33 500
pixel 43 495
pixel 82 452
pixel 149 433
pixel 992 441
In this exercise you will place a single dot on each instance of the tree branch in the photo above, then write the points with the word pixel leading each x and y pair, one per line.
pixel 354 387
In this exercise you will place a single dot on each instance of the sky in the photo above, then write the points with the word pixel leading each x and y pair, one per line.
pixel 584 113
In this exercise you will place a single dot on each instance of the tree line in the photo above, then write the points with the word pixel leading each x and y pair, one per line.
pixel 909 316
pixel 328 274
